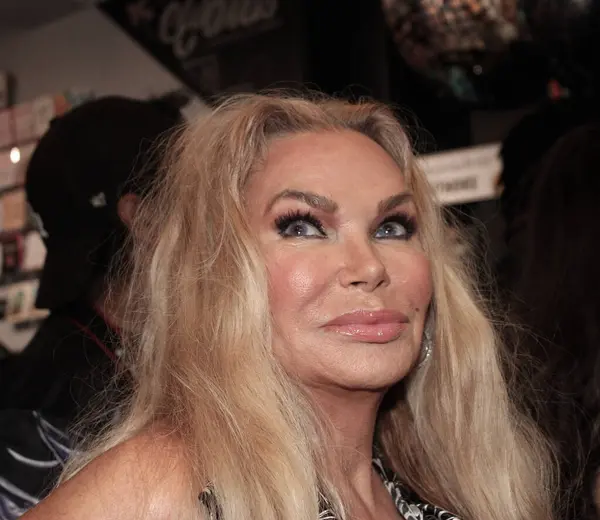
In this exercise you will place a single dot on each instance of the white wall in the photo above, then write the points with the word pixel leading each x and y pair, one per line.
pixel 83 51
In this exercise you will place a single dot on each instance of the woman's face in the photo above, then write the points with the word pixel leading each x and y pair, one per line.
pixel 349 281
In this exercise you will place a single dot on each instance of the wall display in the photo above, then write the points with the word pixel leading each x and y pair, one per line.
pixel 19 302
pixel 13 162
pixel 8 169
pixel 22 251
pixel 216 46
pixel 7 134
pixel 5 90
pixel 13 211
pixel 23 127
pixel 12 254
pixel 34 252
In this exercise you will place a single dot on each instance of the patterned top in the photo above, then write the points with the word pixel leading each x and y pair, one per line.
pixel 407 503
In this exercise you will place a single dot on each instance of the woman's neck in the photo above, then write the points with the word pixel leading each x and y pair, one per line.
pixel 351 419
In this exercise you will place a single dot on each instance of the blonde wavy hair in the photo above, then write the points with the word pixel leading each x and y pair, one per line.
pixel 199 342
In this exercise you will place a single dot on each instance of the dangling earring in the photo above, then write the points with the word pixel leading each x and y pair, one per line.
pixel 427 341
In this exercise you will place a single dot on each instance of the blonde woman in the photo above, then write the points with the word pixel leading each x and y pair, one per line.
pixel 304 343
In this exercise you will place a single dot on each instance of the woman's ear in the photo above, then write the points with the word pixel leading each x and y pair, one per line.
pixel 127 207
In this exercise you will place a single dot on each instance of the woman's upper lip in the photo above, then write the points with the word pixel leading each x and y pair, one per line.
pixel 368 317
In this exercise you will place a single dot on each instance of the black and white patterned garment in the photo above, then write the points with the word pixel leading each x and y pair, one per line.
pixel 32 454
pixel 407 504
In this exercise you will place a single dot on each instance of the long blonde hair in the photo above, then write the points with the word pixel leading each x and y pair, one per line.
pixel 199 342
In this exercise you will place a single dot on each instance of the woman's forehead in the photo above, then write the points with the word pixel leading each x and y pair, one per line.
pixel 327 163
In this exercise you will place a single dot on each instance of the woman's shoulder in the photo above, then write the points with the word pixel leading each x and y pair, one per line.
pixel 146 477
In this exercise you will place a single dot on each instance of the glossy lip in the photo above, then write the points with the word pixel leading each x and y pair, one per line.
pixel 371 326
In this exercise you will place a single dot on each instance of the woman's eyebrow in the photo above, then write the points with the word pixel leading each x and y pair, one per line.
pixel 394 201
pixel 314 200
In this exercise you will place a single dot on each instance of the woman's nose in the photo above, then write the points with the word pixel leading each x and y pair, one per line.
pixel 362 267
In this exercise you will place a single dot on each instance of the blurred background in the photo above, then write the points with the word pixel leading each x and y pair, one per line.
pixel 462 72
pixel 500 97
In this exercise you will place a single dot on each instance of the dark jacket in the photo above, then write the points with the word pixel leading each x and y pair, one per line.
pixel 65 372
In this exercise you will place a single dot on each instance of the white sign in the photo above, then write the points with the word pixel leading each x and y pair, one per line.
pixel 464 175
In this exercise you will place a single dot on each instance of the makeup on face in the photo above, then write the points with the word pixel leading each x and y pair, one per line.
pixel 349 281
pixel 372 326
pixel 301 222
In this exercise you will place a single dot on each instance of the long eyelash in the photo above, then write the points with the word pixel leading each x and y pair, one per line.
pixel 409 222
pixel 283 221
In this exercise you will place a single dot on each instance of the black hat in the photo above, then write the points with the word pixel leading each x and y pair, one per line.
pixel 80 168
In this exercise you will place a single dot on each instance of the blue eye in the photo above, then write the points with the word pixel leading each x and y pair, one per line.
pixel 399 227
pixel 299 224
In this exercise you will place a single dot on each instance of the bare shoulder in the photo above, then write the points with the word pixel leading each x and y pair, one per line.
pixel 144 478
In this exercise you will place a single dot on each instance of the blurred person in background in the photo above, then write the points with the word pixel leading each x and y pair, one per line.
pixel 83 183
pixel 522 150
pixel 553 296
